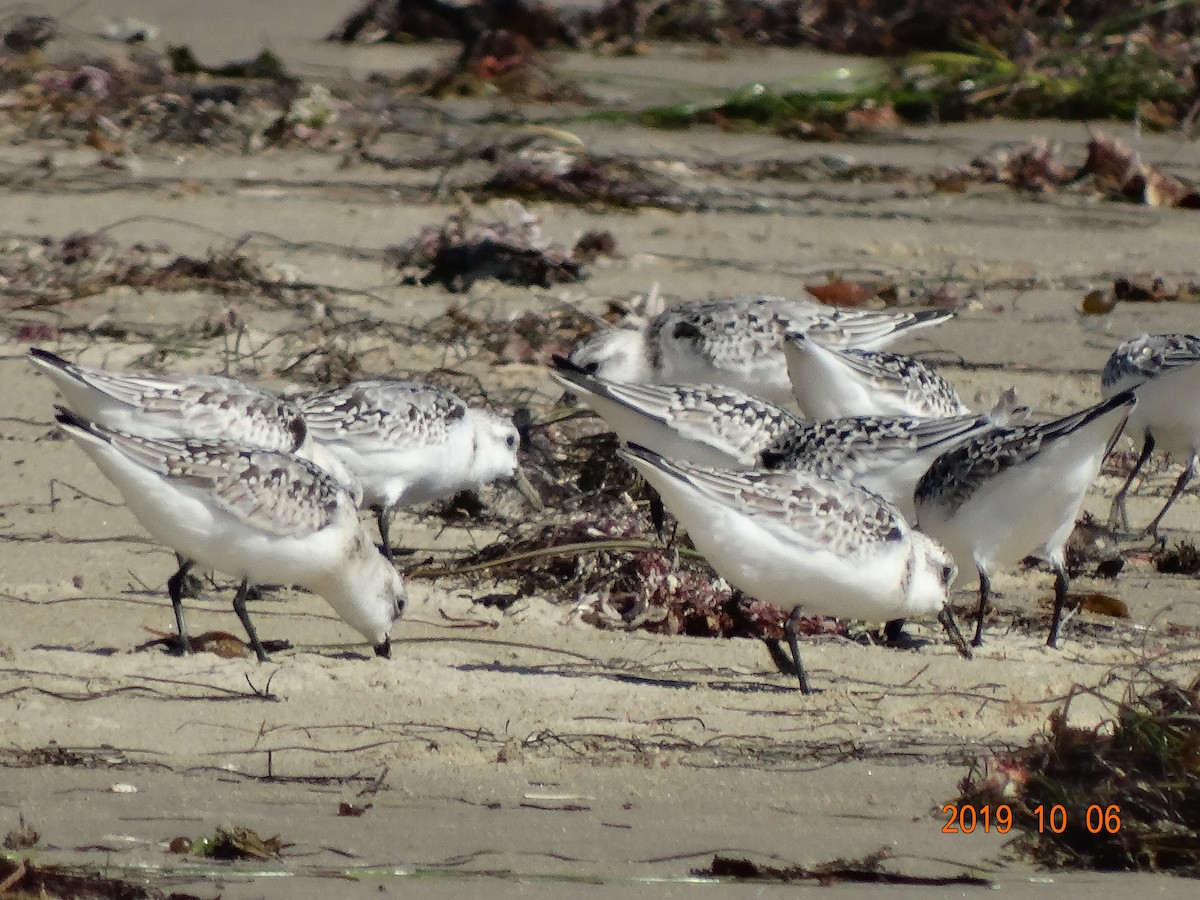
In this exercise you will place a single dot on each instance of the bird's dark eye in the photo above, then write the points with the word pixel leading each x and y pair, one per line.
pixel 591 368
pixel 947 574
pixel 511 441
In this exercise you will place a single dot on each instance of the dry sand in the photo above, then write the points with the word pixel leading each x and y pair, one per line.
pixel 520 752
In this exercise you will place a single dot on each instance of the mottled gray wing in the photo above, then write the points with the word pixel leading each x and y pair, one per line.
pixel 1139 359
pixel 207 406
pixel 276 492
pixel 856 328
pixel 383 415
pixel 955 475
pixel 827 513
pixel 904 375
pixel 827 444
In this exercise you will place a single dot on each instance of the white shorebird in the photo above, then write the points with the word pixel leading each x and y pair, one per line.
pixel 262 515
pixel 1016 492
pixel 706 424
pixel 735 342
pixel 409 443
pixel 202 406
pixel 831 383
pixel 796 540
pixel 1162 370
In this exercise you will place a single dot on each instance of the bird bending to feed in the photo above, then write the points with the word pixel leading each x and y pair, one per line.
pixel 1161 369
pixel 736 342
pixel 796 539
pixel 409 443
pixel 831 383
pixel 1016 492
pixel 202 406
pixel 264 516
pixel 706 424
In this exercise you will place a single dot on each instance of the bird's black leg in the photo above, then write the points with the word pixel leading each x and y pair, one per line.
pixel 658 514
pixel 789 630
pixel 384 517
pixel 1184 478
pixel 985 591
pixel 239 607
pixel 1117 514
pixel 1060 601
pixel 175 589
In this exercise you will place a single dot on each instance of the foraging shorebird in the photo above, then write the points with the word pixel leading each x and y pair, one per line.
pixel 265 516
pixel 1016 492
pixel 797 539
pixel 1162 370
pixel 408 443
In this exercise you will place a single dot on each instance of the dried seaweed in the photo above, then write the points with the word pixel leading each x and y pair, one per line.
pixel 121 101
pixel 868 27
pixel 462 250
pixel 1093 545
pixel 531 337
pixel 21 879
pixel 868 870
pixel 1124 795
pixel 1182 559
pixel 37 274
pixel 582 178
pixel 239 842
pixel 499 63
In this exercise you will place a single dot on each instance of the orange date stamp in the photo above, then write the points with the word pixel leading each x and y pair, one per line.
pixel 969 819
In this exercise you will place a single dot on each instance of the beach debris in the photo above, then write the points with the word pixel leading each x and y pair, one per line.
pixel 45 272
pixel 579 177
pixel 1121 796
pixel 868 870
pixel 462 250
pixel 1182 559
pixel 1119 173
pixel 1092 547
pixel 22 879
pixel 219 643
pixel 1033 167
pixel 839 291
pixel 30 33
pixel 22 837
pixel 240 842
pixel 130 30
pixel 529 337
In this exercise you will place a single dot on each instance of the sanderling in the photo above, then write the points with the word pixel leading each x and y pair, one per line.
pixel 797 539
pixel 831 383
pixel 706 424
pixel 201 406
pixel 409 443
pixel 1016 492
pixel 264 515
pixel 885 454
pixel 735 342
pixel 1161 369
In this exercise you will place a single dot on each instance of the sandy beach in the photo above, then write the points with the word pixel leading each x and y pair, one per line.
pixel 514 749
